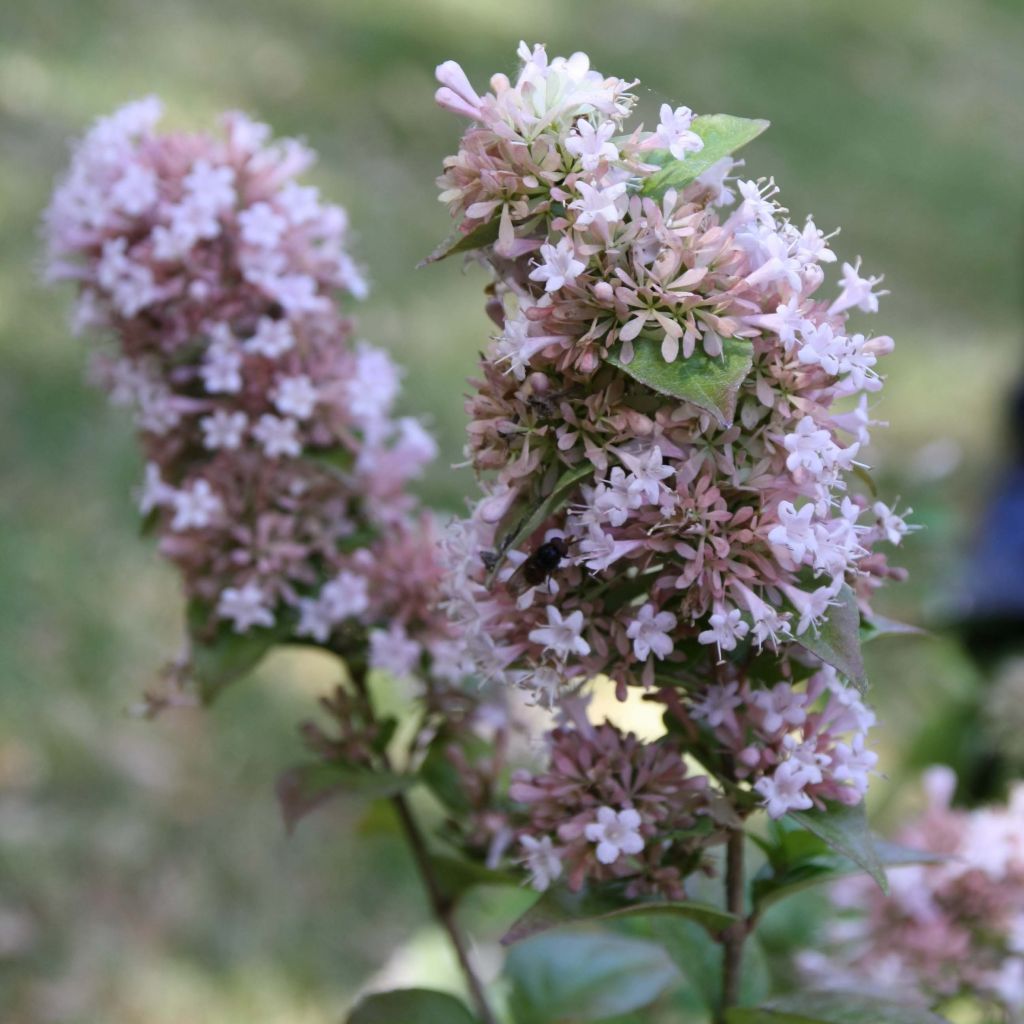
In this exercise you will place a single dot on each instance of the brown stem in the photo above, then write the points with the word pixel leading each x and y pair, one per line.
pixel 440 904
pixel 734 936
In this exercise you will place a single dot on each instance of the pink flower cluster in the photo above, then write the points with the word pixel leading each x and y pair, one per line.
pixel 671 389
pixel 949 929
pixel 276 473
pixel 611 808
pixel 800 744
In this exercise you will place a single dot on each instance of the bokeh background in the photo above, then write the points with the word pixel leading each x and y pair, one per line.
pixel 144 873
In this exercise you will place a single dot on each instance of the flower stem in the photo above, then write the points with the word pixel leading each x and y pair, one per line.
pixel 735 935
pixel 442 907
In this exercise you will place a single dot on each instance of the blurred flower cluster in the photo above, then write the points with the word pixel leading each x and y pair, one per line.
pixel 669 426
pixel 954 928
pixel 276 475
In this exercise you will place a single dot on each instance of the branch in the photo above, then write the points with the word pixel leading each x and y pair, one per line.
pixel 735 935
pixel 440 904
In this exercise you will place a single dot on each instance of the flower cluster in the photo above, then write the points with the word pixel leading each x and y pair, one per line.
pixel 610 807
pixel 276 473
pixel 800 744
pixel 670 421
pixel 947 929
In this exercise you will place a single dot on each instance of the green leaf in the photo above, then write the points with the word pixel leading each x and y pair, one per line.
pixel 338 460
pixel 559 908
pixel 225 656
pixel 456 876
pixel 837 641
pixel 879 626
pixel 722 134
pixel 411 1006
pixel 798 859
pixel 565 979
pixel 483 234
pixel 560 494
pixel 711 384
pixel 832 1008
pixel 845 830
pixel 305 787
pixel 439 773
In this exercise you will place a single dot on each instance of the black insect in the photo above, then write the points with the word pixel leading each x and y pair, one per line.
pixel 544 561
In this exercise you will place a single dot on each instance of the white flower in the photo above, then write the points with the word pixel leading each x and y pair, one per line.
pixel 314 620
pixel 373 387
pixel 647 473
pixel 777 263
pixel 727 629
pixel 154 492
pixel 295 396
pixel 718 703
pixel 592 145
pixel 195 506
pixel 278 435
pixel 211 188
pixel 272 338
pixel 222 367
pixel 560 265
pixel 130 284
pixel 673 132
pixel 223 429
pixel 344 596
pixel 261 226
pixel 299 203
pixel 245 606
pixel 857 291
pixel 543 863
pixel 794 531
pixel 135 191
pixel 615 832
pixel 649 632
pixel 598 204
pixel 779 707
pixel 852 764
pixel 542 687
pixel 598 549
pixel 562 635
pixel 812 450
pixel 393 651
pixel 893 527
pixel 783 790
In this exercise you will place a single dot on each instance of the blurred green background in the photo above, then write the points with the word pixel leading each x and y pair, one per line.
pixel 144 874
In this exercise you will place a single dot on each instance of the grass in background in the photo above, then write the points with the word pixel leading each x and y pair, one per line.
pixel 144 876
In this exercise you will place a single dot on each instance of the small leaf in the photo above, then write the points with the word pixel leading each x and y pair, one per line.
pixel 558 979
pixel 837 641
pixel 560 494
pixel 878 626
pixel 456 876
pixel 710 383
pixel 722 134
pixel 798 859
pixel 305 787
pixel 440 774
pixel 338 460
pixel 217 661
pixel 483 234
pixel 560 908
pixel 832 1008
pixel 845 830
pixel 411 1006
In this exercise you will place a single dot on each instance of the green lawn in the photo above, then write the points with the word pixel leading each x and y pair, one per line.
pixel 144 876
